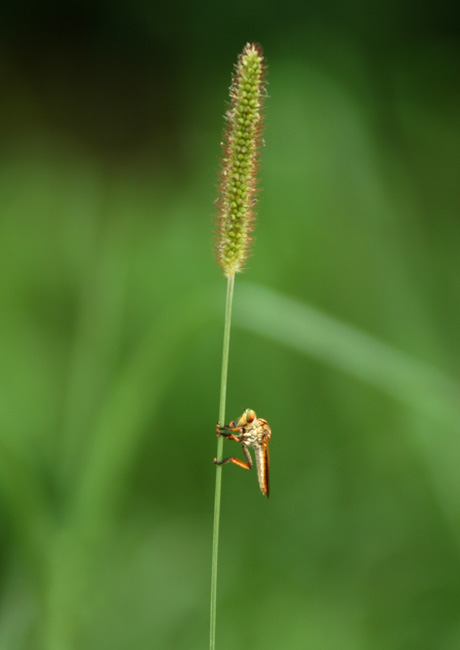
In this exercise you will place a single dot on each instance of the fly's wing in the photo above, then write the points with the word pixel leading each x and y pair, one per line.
pixel 267 471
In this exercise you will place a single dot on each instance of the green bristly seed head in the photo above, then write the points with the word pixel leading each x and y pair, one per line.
pixel 242 139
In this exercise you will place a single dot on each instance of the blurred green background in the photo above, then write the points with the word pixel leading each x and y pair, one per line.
pixel 345 332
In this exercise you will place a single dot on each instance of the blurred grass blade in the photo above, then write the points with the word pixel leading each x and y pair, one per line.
pixel 315 334
pixel 427 390
pixel 135 396
pixel 134 399
pixel 24 500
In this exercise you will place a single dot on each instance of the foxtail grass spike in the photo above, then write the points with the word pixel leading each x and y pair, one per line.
pixel 241 144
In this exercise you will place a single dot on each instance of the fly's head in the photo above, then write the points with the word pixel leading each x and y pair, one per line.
pixel 247 419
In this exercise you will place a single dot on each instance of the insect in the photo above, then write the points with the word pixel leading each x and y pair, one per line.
pixel 250 431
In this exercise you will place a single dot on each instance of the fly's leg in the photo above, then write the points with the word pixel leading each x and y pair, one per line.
pixel 228 435
pixel 232 426
pixel 227 431
pixel 247 454
pixel 234 460
pixel 237 461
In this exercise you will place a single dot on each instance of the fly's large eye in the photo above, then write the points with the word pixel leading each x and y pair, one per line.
pixel 250 415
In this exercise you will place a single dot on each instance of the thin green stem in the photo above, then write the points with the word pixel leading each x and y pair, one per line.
pixel 220 445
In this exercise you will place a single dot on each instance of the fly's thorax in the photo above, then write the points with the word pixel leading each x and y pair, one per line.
pixel 257 434
pixel 250 438
pixel 263 426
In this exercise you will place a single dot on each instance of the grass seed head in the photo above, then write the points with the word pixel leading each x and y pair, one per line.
pixel 241 143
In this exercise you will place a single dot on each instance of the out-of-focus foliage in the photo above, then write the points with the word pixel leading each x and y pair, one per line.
pixel 111 325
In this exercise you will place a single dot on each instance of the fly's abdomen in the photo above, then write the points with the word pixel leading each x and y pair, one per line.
pixel 261 454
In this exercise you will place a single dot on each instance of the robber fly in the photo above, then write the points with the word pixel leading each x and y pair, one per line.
pixel 254 432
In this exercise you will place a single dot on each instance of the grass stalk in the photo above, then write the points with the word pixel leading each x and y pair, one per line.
pixel 236 200
pixel 220 444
